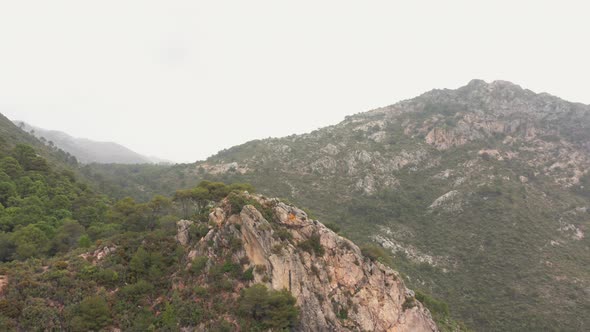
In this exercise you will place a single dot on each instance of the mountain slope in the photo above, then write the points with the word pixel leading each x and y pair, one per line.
pixel 89 151
pixel 480 193
pixel 335 286
pixel 258 265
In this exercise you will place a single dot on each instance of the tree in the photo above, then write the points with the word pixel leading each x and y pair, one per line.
pixel 7 247
pixel 184 198
pixel 129 214
pixel 67 236
pixel 274 310
pixel 60 202
pixel 157 208
pixel 26 156
pixel 30 241
pixel 169 320
pixel 7 190
pixel 11 167
pixel 93 315
pixel 38 316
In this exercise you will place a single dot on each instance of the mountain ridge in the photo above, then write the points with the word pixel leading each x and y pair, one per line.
pixel 486 184
pixel 90 151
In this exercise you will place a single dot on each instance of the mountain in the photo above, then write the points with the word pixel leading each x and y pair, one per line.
pixel 335 286
pixel 89 151
pixel 258 264
pixel 481 195
pixel 72 259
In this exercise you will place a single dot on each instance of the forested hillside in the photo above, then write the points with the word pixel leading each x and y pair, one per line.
pixel 72 259
pixel 480 194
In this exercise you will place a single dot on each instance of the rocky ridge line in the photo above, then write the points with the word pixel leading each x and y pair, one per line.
pixel 337 289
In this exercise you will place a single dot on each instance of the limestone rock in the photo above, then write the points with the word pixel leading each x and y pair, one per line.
pixel 450 202
pixel 182 235
pixel 325 284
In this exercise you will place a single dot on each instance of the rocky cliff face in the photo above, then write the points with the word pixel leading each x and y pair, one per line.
pixel 480 193
pixel 337 289
pixel 474 187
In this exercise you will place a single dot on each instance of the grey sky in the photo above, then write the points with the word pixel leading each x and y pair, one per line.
pixel 184 79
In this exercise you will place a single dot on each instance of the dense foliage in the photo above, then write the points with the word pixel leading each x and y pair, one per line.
pixel 77 261
pixel 43 211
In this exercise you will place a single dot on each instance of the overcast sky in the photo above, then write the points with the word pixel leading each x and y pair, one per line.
pixel 184 79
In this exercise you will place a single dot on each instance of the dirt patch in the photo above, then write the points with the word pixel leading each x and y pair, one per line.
pixel 3 283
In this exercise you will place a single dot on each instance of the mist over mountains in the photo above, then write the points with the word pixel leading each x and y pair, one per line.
pixel 89 151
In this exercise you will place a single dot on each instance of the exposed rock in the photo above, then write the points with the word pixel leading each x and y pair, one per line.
pixel 225 168
pixel 449 202
pixel 3 283
pixel 99 254
pixel 338 280
pixel 331 149
pixel 182 234
pixel 379 137
pixel 490 153
pixel 444 139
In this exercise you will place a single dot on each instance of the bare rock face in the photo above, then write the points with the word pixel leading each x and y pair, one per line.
pixel 450 202
pixel 337 289
pixel 99 254
pixel 3 283
pixel 182 235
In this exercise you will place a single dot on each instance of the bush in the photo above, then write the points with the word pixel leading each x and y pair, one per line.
pixel 376 254
pixel 283 234
pixel 93 315
pixel 266 309
pixel 335 228
pixel 197 231
pixel 198 265
pixel 137 290
pixel 434 305
pixel 313 245
pixel 248 275
pixel 38 316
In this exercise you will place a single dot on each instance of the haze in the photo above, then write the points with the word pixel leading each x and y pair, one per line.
pixel 184 79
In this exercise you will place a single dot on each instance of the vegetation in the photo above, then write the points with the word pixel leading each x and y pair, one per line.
pixel 76 260
pixel 312 245
pixel 266 309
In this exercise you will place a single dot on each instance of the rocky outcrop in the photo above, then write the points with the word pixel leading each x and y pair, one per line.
pixel 99 254
pixel 3 283
pixel 182 233
pixel 449 202
pixel 337 289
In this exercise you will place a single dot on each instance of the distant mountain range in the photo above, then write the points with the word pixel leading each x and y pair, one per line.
pixel 88 151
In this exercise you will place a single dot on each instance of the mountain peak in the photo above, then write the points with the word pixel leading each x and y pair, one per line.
pixel 478 84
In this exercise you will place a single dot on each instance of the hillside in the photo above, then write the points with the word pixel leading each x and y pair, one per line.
pixel 257 265
pixel 481 194
pixel 89 151
pixel 71 259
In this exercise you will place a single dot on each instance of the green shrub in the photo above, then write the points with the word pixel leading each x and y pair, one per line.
pixel 335 228
pixel 266 309
pixel 198 265
pixel 248 275
pixel 137 290
pixel 197 231
pixel 434 305
pixel 93 314
pixel 283 234
pixel 376 254
pixel 313 245
pixel 38 316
